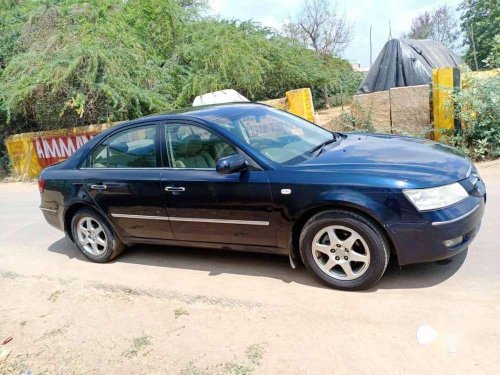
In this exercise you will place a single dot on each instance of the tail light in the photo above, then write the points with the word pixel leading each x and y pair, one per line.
pixel 41 185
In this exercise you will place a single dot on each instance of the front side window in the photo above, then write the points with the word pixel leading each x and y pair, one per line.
pixel 279 136
pixel 133 148
pixel 190 146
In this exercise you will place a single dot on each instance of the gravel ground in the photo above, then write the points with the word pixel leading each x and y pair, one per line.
pixel 186 311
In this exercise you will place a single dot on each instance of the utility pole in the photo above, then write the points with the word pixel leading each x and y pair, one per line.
pixel 370 46
pixel 341 93
pixel 473 46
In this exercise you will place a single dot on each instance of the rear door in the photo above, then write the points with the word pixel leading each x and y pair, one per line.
pixel 204 206
pixel 122 175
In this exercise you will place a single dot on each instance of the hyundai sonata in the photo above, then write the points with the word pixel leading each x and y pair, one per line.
pixel 250 177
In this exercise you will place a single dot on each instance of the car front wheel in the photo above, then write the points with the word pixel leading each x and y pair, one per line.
pixel 94 237
pixel 344 250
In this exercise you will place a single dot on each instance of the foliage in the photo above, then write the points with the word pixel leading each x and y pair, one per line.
pixel 5 165
pixel 347 85
pixel 72 62
pixel 214 55
pixel 290 65
pixel 493 59
pixel 440 25
pixel 13 15
pixel 358 120
pixel 66 63
pixel 479 22
pixel 180 311
pixel 79 64
pixel 156 23
pixel 478 107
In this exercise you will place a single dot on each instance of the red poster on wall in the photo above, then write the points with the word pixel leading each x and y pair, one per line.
pixel 53 149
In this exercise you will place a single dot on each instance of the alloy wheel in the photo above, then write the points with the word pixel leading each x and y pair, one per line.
pixel 91 236
pixel 340 252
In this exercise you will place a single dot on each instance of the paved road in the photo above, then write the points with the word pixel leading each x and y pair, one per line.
pixel 157 310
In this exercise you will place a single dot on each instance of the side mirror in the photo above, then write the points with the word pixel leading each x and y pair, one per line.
pixel 231 164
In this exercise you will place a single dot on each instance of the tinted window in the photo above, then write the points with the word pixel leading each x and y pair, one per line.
pixel 279 136
pixel 133 148
pixel 190 146
pixel 99 156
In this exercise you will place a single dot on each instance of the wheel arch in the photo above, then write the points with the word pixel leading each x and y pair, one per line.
pixel 70 212
pixel 346 206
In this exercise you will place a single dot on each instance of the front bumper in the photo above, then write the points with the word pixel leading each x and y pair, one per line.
pixel 424 241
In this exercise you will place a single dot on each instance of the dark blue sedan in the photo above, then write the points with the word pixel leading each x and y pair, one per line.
pixel 250 177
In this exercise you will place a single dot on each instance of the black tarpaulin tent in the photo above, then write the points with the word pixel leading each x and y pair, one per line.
pixel 407 62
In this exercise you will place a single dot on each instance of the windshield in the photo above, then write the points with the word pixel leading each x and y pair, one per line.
pixel 279 136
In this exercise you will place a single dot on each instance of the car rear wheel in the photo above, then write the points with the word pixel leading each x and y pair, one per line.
pixel 94 237
pixel 344 250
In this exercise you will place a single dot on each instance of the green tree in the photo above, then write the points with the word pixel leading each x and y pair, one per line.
pixel 493 59
pixel 73 62
pixel 290 66
pixel 214 55
pixel 480 22
pixel 157 23
pixel 80 63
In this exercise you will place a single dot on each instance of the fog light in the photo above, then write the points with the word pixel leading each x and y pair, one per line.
pixel 453 242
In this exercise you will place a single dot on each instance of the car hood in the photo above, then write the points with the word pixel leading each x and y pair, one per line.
pixel 418 162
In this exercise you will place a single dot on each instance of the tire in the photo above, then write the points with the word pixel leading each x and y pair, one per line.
pixel 100 243
pixel 365 260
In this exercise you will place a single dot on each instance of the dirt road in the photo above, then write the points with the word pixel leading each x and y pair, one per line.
pixel 185 311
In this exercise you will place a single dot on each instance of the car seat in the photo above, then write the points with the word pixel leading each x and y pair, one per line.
pixel 190 154
pixel 220 148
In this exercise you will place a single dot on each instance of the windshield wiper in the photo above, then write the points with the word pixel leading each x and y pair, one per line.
pixel 321 146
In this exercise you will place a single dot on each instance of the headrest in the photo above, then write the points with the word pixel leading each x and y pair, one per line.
pixel 119 146
pixel 190 145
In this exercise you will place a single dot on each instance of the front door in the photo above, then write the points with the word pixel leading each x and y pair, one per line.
pixel 204 206
pixel 123 177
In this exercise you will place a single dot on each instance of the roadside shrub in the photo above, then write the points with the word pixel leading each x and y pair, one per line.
pixel 346 86
pixel 78 64
pixel 358 120
pixel 5 165
pixel 478 108
pixel 215 55
pixel 66 63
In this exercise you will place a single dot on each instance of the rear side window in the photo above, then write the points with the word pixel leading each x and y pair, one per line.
pixel 133 148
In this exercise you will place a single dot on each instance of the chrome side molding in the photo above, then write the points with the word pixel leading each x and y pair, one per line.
pixel 192 219
pixel 48 210
pixel 219 221
pixel 143 217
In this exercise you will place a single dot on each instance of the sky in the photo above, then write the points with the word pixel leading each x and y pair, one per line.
pixel 362 13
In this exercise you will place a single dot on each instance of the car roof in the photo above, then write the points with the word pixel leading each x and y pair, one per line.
pixel 212 110
pixel 202 113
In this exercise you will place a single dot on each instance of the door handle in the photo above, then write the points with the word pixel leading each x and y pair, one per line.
pixel 98 187
pixel 175 188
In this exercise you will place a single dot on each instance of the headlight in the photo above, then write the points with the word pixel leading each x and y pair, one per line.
pixel 437 197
